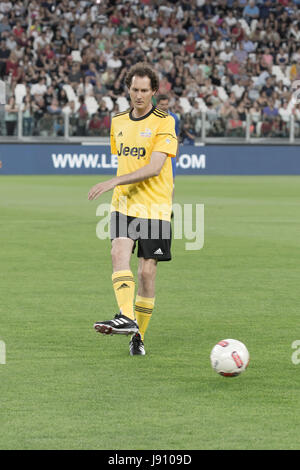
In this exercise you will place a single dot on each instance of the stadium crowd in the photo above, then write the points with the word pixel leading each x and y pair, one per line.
pixel 228 58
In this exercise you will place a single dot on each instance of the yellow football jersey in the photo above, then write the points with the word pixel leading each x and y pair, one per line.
pixel 134 140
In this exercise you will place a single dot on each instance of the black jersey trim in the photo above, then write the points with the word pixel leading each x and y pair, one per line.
pixel 167 133
pixel 159 114
pixel 121 114
pixel 160 111
pixel 142 117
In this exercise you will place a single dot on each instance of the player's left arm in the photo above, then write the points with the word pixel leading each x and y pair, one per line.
pixel 153 168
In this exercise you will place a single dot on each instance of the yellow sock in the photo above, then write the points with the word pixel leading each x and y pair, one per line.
pixel 124 285
pixel 143 312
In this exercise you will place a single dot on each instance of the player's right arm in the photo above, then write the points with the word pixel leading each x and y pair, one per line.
pixel 153 168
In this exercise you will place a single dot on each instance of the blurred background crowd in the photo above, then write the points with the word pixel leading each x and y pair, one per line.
pixel 228 59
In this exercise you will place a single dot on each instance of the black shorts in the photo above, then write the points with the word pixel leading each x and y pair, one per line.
pixel 153 236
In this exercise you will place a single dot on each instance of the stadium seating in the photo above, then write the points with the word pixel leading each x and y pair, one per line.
pixel 205 52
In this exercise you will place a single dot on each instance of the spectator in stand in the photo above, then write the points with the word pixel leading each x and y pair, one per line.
pixel 39 108
pixel 48 52
pixel 219 44
pixel 40 40
pixel 226 55
pixel 270 124
pixel 12 66
pixel 117 89
pixel 54 108
pixel 11 116
pixel 62 97
pixel 178 86
pixel 114 62
pixel 255 116
pixel 4 55
pixel 164 30
pixel 240 53
pixel 190 44
pixel 237 32
pixel 100 89
pixel 248 45
pixel 295 71
pixel 296 113
pixel 5 27
pixel 187 133
pixel 99 124
pixel 94 125
pixel 82 117
pixel 79 29
pixel 40 87
pixel 18 30
pixel 49 95
pixel 74 74
pixel 267 59
pixel 265 9
pixel 92 73
pixel 5 6
pixel 233 68
pixel 27 113
pixel 282 57
pixel 164 86
pixel 294 32
pixel 251 12
pixel 227 110
pixel 238 89
pixel 268 88
pixel 285 116
pixel 85 87
pixel 262 100
pixel 295 56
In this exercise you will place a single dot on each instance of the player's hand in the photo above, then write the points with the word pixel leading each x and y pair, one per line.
pixel 101 188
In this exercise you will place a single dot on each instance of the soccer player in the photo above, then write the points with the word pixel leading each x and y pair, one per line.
pixel 144 139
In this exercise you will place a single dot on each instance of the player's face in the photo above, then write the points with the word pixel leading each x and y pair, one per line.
pixel 164 105
pixel 141 94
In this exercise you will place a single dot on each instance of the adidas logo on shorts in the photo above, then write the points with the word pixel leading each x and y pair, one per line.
pixel 158 252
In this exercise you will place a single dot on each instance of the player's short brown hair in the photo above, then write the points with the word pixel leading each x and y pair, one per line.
pixel 142 69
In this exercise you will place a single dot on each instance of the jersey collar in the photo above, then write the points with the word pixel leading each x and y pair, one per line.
pixel 142 117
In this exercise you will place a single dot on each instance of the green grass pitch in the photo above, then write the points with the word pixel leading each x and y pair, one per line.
pixel 66 387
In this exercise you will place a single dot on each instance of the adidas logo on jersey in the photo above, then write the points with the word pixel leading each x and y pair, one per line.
pixel 158 252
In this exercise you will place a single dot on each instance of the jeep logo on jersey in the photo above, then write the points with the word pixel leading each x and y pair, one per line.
pixel 138 152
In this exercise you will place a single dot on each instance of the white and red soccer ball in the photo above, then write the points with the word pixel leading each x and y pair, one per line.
pixel 229 357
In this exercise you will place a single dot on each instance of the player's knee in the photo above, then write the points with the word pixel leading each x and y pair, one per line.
pixel 120 256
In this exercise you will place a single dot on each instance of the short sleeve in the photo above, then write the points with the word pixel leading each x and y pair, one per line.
pixel 165 139
pixel 113 146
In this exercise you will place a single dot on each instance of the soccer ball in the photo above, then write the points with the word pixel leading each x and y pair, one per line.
pixel 229 357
